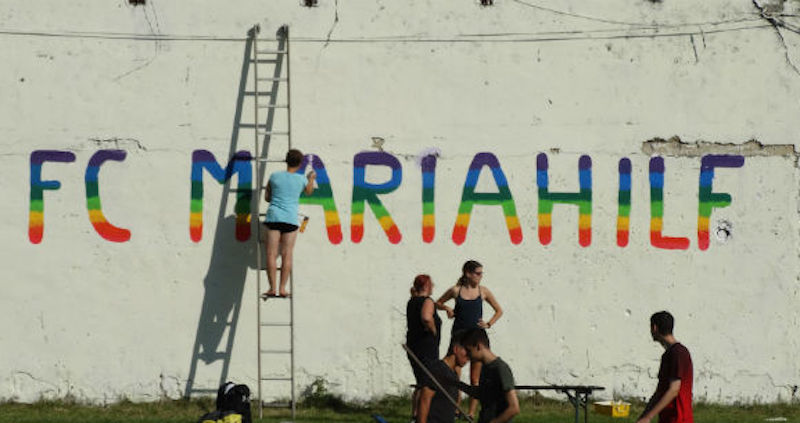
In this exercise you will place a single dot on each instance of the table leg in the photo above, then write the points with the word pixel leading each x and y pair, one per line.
pixel 575 401
pixel 585 402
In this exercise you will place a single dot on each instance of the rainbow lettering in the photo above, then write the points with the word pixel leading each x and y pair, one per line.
pixel 624 202
pixel 657 210
pixel 708 199
pixel 582 199
pixel 469 198
pixel 366 192
pixel 36 214
pixel 101 225
pixel 428 208
pixel 239 164
pixel 323 196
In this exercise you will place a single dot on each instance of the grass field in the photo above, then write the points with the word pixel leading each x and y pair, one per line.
pixel 331 409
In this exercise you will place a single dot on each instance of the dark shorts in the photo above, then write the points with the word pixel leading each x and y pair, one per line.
pixel 283 227
pixel 420 377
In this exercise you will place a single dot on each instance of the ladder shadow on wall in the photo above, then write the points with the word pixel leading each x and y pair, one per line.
pixel 229 265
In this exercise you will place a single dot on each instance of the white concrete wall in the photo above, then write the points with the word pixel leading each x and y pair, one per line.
pixel 102 320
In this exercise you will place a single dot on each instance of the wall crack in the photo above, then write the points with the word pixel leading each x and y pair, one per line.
pixel 117 142
pixel 335 22
pixel 771 12
pixel 155 31
pixel 674 147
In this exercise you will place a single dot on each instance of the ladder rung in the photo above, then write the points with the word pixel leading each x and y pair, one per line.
pixel 260 93
pixel 276 351
pixel 263 160
pixel 276 378
pixel 253 125
pixel 263 61
pixel 273 106
pixel 276 324
pixel 272 133
pixel 271 51
pixel 273 79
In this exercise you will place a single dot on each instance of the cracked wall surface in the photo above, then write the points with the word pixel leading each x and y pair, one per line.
pixel 582 83
pixel 674 147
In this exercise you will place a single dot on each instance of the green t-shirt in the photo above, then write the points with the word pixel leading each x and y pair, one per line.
pixel 496 381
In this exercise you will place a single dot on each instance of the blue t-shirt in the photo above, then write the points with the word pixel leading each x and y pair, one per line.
pixel 286 189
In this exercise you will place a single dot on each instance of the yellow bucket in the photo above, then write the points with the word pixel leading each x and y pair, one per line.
pixel 613 408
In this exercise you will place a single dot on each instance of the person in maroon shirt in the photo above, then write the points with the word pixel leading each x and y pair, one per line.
pixel 672 400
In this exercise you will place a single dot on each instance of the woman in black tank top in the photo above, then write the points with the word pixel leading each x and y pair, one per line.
pixel 469 296
pixel 423 334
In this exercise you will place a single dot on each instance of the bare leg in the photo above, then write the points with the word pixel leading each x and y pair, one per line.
pixel 271 244
pixel 424 407
pixel 287 250
pixel 415 402
pixel 474 378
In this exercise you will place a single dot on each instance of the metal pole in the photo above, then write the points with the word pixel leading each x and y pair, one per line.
pixel 438 385
pixel 254 34
pixel 287 56
pixel 585 403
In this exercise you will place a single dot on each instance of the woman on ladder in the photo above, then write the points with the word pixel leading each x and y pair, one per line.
pixel 468 312
pixel 283 195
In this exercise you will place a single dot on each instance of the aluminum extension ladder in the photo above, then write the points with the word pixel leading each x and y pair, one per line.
pixel 274 124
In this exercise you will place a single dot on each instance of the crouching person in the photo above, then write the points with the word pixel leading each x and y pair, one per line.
pixel 434 405
pixel 495 391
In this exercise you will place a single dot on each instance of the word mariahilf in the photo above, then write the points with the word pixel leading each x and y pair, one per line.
pixel 366 193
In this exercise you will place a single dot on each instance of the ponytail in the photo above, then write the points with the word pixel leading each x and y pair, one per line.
pixel 468 267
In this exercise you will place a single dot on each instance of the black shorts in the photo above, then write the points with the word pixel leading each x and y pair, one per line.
pixel 420 377
pixel 283 227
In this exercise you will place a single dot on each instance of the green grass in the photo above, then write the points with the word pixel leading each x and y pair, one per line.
pixel 329 408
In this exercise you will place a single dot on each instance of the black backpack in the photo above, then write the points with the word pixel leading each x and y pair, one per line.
pixel 236 398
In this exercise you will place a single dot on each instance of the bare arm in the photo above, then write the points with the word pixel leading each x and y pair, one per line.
pixel 473 391
pixel 498 311
pixel 458 393
pixel 310 184
pixel 268 193
pixel 653 410
pixel 447 296
pixel 510 411
pixel 427 316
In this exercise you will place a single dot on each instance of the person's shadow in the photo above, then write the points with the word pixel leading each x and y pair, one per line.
pixel 219 316
pixel 227 271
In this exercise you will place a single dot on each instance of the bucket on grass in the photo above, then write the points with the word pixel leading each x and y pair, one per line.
pixel 613 408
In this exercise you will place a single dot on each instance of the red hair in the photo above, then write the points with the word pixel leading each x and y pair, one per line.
pixel 421 282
